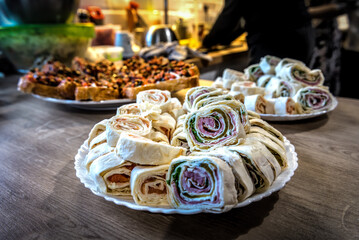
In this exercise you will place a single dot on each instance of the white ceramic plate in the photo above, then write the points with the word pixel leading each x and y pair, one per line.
pixel 274 117
pixel 283 178
pixel 89 105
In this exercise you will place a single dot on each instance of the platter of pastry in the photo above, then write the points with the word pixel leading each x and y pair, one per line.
pixel 279 89
pixel 84 83
pixel 208 155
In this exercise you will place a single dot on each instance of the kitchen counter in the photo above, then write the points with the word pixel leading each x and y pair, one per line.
pixel 235 57
pixel 41 197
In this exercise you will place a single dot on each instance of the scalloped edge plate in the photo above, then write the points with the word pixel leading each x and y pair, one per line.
pixel 279 183
pixel 294 117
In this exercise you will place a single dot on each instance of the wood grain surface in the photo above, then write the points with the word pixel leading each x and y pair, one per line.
pixel 41 197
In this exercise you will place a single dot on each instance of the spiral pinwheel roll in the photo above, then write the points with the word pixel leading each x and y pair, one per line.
pixel 261 131
pixel 148 185
pixel 256 122
pixel 213 126
pixel 285 62
pixel 268 64
pixel 126 122
pixel 257 165
pixel 231 74
pixel 283 105
pixel 97 130
pixel 302 74
pixel 212 99
pixel 237 95
pixel 243 181
pixel 201 182
pixel 111 174
pixel 276 167
pixel 97 152
pixel 253 72
pixel 287 89
pixel 176 110
pixel 247 88
pixel 256 103
pixel 240 108
pixel 165 124
pixel 193 93
pixel 162 98
pixel 141 150
pixel 98 140
pixel 314 99
pixel 132 108
pixel 263 80
pixel 277 151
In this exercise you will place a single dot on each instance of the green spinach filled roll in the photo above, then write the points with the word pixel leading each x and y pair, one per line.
pixel 213 126
pixel 201 182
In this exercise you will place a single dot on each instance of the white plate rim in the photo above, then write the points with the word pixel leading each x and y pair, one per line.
pixel 274 117
pixel 103 104
pixel 278 184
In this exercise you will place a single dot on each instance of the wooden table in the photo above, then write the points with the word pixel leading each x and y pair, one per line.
pixel 41 197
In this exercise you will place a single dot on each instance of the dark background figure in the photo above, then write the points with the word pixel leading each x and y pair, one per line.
pixel 327 54
pixel 280 28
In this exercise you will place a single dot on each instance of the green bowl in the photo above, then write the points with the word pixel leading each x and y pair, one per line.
pixel 24 45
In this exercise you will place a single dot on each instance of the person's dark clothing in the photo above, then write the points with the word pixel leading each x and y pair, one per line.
pixel 281 28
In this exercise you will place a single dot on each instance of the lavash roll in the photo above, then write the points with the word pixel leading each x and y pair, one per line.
pixel 143 151
pixel 180 140
pixel 314 99
pixel 165 124
pixel 201 182
pixel 272 86
pixel 263 80
pixel 267 127
pixel 161 98
pixel 176 110
pixel 213 126
pixel 302 74
pixel 247 88
pixel 218 83
pixel 268 64
pixel 157 136
pixel 230 76
pixel 98 140
pixel 243 181
pixel 277 151
pixel 256 103
pixel 97 152
pixel 96 130
pixel 255 129
pixel 205 96
pixel 253 72
pixel 239 96
pixel 283 105
pixel 285 62
pixel 233 75
pixel 212 99
pixel 126 122
pixel 286 89
pixel 195 92
pixel 240 108
pixel 252 114
pixel 111 174
pixel 132 108
pixel 257 165
pixel 275 166
pixel 148 185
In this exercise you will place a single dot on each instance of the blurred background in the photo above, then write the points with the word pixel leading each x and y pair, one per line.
pixel 118 29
